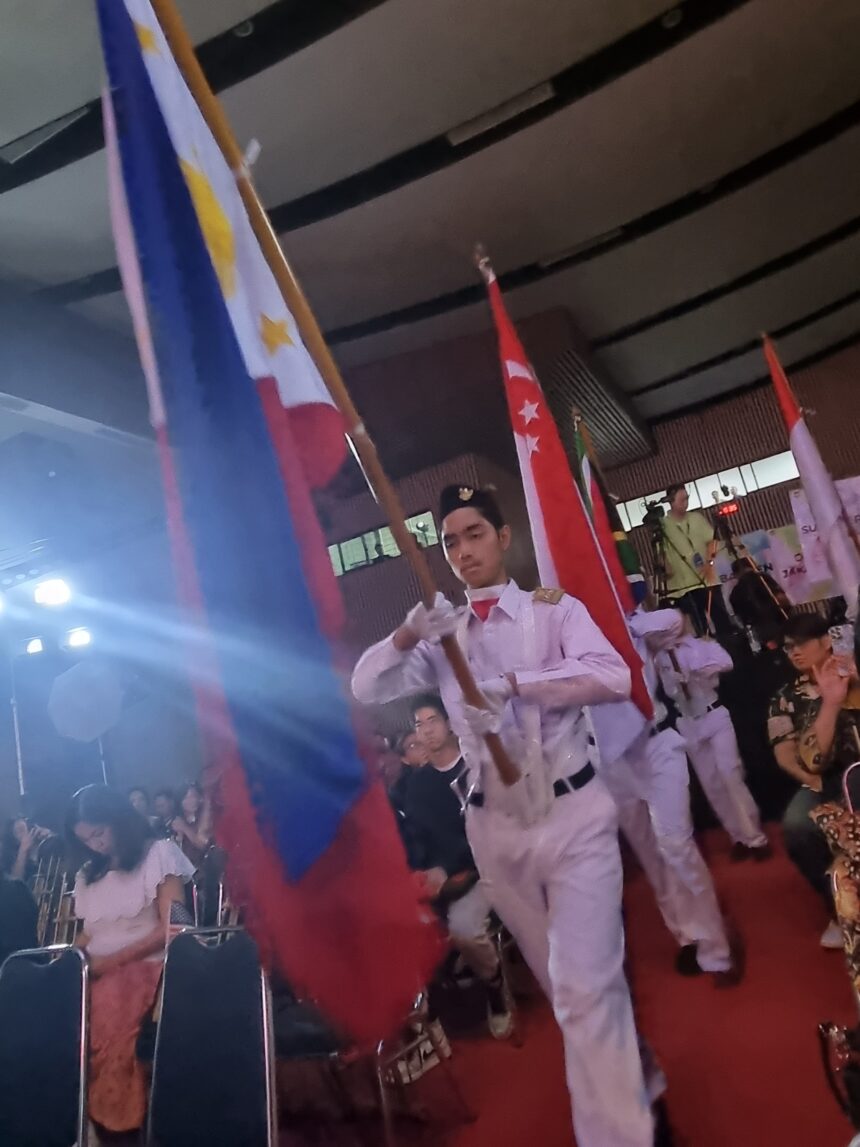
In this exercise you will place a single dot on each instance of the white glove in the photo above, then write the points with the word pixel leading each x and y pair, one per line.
pixel 433 624
pixel 481 722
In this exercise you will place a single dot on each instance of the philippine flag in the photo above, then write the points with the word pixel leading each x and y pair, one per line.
pixel 245 428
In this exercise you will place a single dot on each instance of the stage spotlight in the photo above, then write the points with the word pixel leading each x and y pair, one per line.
pixel 54 591
pixel 35 645
pixel 77 638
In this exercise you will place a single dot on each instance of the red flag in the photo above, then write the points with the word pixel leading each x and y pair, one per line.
pixel 567 550
pixel 834 530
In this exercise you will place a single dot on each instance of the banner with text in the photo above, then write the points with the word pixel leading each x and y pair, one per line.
pixel 813 549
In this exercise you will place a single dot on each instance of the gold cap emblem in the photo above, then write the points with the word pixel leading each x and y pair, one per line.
pixel 465 493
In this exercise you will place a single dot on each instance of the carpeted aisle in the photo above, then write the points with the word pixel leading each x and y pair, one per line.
pixel 742 1065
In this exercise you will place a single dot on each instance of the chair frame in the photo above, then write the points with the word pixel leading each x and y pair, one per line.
pixel 55 950
pixel 387 1059
pixel 219 934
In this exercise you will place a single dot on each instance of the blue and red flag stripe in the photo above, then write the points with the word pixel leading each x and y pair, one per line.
pixel 316 845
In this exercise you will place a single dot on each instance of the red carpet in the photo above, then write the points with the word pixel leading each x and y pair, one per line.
pixel 742 1065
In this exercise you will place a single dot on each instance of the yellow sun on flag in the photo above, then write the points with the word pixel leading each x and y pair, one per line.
pixel 146 38
pixel 274 333
pixel 215 226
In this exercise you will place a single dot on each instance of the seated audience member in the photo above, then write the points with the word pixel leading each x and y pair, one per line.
pixel 434 812
pixel 759 602
pixel 18 917
pixel 19 851
pixel 396 776
pixel 124 888
pixel 138 798
pixel 412 752
pixel 165 808
pixel 807 645
pixel 830 738
pixel 192 826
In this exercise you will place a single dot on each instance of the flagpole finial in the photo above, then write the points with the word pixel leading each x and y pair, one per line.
pixel 482 262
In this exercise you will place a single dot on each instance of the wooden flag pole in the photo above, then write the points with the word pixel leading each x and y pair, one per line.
pixel 386 495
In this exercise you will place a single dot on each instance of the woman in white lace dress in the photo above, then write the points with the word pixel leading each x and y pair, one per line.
pixel 123 892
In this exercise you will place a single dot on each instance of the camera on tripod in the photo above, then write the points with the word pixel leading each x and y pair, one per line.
pixel 654 514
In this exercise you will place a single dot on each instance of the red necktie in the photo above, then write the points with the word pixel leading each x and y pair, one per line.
pixel 481 609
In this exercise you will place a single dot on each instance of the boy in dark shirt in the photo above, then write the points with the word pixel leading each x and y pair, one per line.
pixel 434 812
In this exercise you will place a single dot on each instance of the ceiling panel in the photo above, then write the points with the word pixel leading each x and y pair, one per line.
pixel 625 150
pixel 749 368
pixel 108 311
pixel 412 70
pixel 50 62
pixel 58 228
pixel 793 206
pixel 713 246
pixel 779 300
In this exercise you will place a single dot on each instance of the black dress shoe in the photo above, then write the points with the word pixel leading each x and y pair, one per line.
pixel 687 962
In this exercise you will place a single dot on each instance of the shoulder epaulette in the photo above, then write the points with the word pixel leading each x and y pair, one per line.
pixel 548 596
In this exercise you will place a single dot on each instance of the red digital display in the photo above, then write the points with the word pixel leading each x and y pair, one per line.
pixel 726 508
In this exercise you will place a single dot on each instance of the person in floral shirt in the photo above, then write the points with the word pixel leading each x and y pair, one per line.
pixel 792 711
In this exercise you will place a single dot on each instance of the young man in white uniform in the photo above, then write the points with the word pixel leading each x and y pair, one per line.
pixel 546 848
pixel 690 670
pixel 644 765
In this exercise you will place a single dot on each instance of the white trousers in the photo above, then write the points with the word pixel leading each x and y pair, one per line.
pixel 468 927
pixel 557 886
pixel 634 820
pixel 712 747
pixel 681 880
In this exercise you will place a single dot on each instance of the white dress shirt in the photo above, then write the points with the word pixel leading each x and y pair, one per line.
pixel 561 662
pixel 616 727
pixel 700 662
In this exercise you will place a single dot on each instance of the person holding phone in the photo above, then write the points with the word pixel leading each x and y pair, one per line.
pixel 793 717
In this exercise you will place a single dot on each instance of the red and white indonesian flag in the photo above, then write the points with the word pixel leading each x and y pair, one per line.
pixel 272 348
pixel 567 550
pixel 838 540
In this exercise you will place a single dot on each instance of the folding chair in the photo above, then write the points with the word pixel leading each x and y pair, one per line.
pixel 389 1056
pixel 213 1069
pixel 44 1045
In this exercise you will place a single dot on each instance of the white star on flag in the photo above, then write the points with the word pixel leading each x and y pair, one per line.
pixel 532 444
pixel 529 411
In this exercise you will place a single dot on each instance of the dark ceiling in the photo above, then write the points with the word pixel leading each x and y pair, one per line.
pixel 674 178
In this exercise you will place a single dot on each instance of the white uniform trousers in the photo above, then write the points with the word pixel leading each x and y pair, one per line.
pixel 634 820
pixel 557 887
pixel 468 926
pixel 712 747
pixel 660 763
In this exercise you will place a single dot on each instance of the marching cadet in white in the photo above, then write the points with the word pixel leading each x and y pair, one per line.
pixel 645 761
pixel 547 847
pixel 690 669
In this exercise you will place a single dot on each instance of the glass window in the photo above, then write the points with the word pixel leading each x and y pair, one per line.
pixel 353 554
pixel 698 495
pixel 376 545
pixel 731 477
pixel 748 478
pixel 624 516
pixel 373 546
pixel 635 512
pixel 389 546
pixel 706 487
pixel 424 529
pixel 778 468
